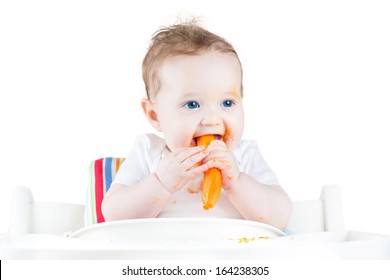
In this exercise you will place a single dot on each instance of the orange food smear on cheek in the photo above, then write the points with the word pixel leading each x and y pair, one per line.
pixel 235 93
pixel 228 137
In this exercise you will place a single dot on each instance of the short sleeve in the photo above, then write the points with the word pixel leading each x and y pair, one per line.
pixel 141 160
pixel 252 163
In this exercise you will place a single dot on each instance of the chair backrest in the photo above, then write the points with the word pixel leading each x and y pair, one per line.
pixel 101 173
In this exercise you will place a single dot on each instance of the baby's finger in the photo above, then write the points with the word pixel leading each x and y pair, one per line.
pixel 198 170
pixel 219 163
pixel 216 154
pixel 194 160
pixel 217 145
pixel 180 151
pixel 184 153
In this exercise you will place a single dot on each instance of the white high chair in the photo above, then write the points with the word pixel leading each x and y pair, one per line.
pixel 34 217
pixel 48 230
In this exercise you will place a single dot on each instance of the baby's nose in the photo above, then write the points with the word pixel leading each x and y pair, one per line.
pixel 211 118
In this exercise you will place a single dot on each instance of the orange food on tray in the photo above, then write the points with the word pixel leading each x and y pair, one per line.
pixel 212 182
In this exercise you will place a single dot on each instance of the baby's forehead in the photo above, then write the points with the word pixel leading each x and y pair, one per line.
pixel 197 70
pixel 200 62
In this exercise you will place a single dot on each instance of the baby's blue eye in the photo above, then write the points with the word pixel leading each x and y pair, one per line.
pixel 228 103
pixel 192 105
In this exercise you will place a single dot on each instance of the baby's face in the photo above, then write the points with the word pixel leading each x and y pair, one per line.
pixel 200 95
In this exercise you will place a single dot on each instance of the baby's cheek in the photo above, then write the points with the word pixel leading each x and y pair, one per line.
pixel 181 141
pixel 230 140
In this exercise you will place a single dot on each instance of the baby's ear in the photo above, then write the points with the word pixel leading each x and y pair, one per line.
pixel 150 113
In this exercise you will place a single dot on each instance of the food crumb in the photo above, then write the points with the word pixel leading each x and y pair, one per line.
pixel 247 240
pixel 190 190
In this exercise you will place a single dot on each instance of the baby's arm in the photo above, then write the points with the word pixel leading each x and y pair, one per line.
pixel 258 202
pixel 148 197
pixel 254 200
pixel 145 199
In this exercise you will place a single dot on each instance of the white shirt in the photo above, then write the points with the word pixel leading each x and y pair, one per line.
pixel 187 202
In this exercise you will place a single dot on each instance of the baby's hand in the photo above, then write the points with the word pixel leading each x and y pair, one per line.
pixel 176 168
pixel 223 159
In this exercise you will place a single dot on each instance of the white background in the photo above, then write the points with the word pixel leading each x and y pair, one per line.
pixel 110 269
pixel 316 78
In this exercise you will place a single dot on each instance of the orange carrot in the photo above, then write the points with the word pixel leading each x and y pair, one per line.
pixel 212 182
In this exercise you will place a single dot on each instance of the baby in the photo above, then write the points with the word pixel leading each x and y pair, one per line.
pixel 193 81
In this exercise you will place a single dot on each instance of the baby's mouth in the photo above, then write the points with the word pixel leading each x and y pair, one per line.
pixel 216 137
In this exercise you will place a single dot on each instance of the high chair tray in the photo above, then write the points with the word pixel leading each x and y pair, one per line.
pixel 311 246
pixel 178 229
pixel 193 239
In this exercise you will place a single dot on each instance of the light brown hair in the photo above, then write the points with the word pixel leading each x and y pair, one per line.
pixel 179 39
